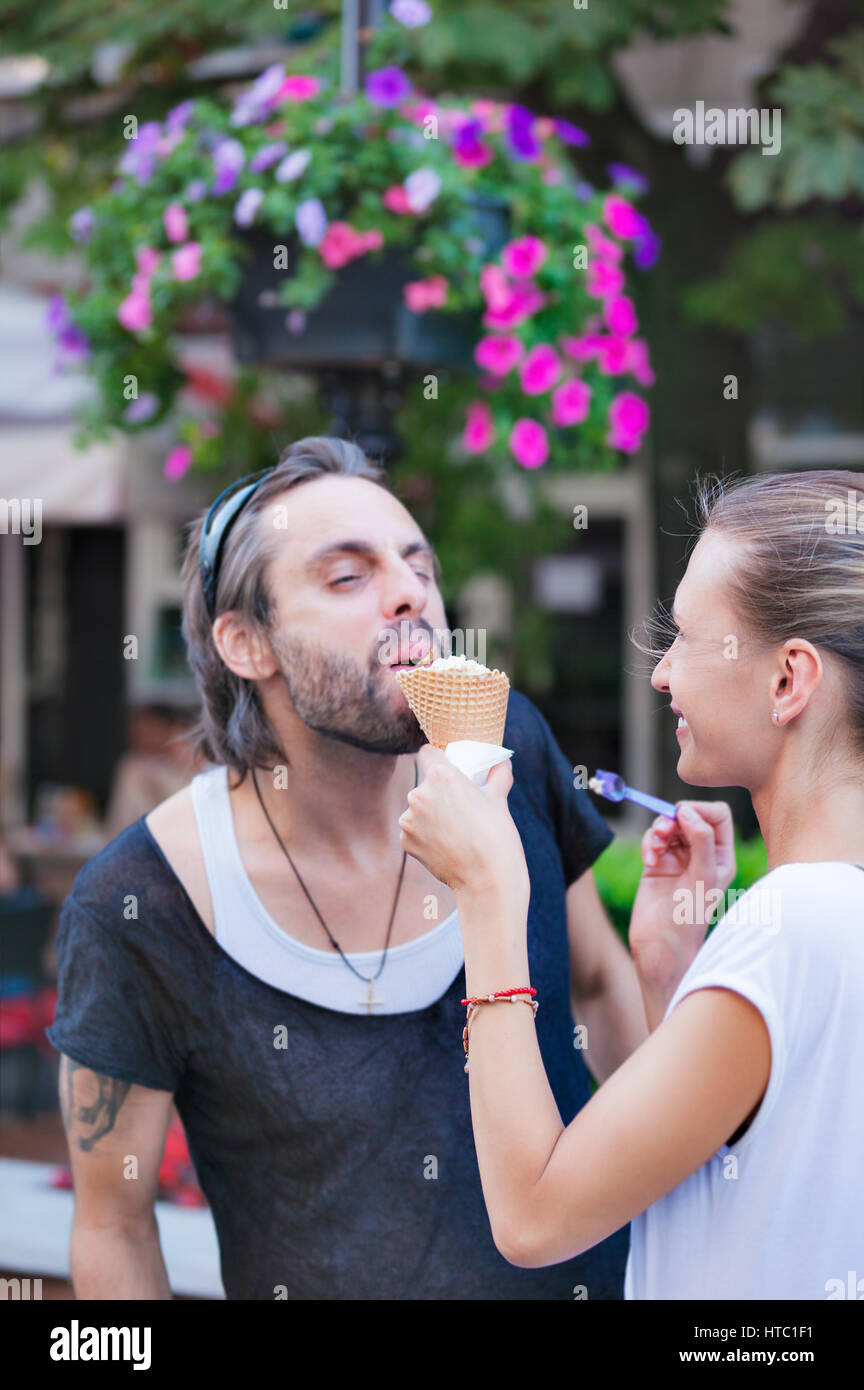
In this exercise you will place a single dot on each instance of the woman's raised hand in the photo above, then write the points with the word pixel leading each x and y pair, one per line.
pixel 689 863
pixel 464 834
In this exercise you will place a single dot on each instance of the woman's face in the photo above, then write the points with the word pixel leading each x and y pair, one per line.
pixel 718 681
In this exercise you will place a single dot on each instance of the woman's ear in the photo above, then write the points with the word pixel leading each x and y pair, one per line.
pixel 244 648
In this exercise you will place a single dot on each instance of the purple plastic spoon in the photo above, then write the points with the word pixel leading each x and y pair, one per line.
pixel 614 788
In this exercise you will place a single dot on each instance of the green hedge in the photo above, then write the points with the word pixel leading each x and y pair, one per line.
pixel 619 869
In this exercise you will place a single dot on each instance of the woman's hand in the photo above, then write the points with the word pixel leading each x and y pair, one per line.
pixel 464 834
pixel 689 863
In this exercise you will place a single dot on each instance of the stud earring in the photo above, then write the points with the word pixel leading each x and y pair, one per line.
pixel 774 715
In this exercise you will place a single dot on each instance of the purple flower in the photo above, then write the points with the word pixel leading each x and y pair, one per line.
pixel 584 192
pixel 646 248
pixel 387 87
pixel 259 99
pixel 68 336
pixel 310 219
pixel 176 120
pixel 81 225
pixel 228 159
pixel 295 322
pixel 247 206
pixel 139 411
pixel 412 13
pixel 195 191
pixel 267 155
pixel 571 134
pixel 292 166
pixel 522 143
pixel 624 176
pixel 468 148
pixel 140 158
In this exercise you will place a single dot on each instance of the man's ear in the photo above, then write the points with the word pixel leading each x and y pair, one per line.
pixel 244 648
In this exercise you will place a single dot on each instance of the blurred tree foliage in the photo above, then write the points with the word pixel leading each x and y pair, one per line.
pixel 803 271
pixel 129 57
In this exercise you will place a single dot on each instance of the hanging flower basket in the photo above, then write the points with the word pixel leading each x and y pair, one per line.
pixel 358 230
pixel 362 320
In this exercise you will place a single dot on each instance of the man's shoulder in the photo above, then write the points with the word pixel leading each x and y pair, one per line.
pixel 524 724
pixel 131 860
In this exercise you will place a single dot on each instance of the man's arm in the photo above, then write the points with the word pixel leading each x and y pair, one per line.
pixel 116 1134
pixel 606 996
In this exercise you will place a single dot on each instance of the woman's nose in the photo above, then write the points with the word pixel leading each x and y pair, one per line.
pixel 660 674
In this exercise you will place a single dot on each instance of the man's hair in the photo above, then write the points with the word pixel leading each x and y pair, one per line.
pixel 232 728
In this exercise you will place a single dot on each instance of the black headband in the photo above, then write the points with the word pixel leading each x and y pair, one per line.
pixel 216 528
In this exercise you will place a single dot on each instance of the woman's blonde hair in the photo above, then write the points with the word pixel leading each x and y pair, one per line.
pixel 800 571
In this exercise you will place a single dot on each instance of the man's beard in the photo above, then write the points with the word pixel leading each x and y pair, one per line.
pixel 336 697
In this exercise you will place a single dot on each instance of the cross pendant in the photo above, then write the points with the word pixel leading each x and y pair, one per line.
pixel 369 1002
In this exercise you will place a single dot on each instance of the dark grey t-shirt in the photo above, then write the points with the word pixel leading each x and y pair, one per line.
pixel 316 1157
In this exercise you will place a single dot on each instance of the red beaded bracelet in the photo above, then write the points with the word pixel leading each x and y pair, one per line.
pixel 500 994
pixel 514 995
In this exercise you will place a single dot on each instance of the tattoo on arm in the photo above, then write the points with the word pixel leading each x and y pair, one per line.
pixel 89 1114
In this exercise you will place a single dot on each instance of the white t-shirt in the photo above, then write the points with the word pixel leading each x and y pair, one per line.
pixel 781 1214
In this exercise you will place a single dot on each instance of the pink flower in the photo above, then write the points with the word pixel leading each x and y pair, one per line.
pixel 176 222
pixel 417 111
pixel 372 240
pixel 522 301
pixel 582 349
pixel 498 354
pixel 628 421
pixel 479 431
pixel 540 370
pixel 146 259
pixel 620 316
pixel 420 295
pixel 523 257
pixel 299 87
pixel 340 244
pixel 178 462
pixel 621 217
pixel 571 402
pixel 529 443
pixel 604 248
pixel 613 355
pixel 639 363
pixel 395 199
pixel 135 312
pixel 553 176
pixel 186 261
pixel 495 287
pixel 604 280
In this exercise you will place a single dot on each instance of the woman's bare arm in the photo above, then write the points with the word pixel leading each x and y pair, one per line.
pixel 552 1192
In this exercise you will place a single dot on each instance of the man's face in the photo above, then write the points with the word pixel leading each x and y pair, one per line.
pixel 355 595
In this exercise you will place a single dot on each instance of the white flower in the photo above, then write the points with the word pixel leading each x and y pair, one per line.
pixel 422 188
pixel 412 13
pixel 292 166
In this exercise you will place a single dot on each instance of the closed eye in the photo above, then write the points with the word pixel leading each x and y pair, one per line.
pixel 347 578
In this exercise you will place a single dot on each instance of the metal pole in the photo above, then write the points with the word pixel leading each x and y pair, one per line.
pixel 358 18
pixel 350 55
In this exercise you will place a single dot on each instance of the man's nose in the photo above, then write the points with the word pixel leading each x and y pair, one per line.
pixel 403 591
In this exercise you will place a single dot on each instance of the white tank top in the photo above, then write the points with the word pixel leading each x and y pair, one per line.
pixel 415 974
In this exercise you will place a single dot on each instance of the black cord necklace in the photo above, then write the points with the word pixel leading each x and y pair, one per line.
pixel 369 1002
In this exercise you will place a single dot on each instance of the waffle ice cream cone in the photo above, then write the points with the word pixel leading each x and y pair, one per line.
pixel 456 699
